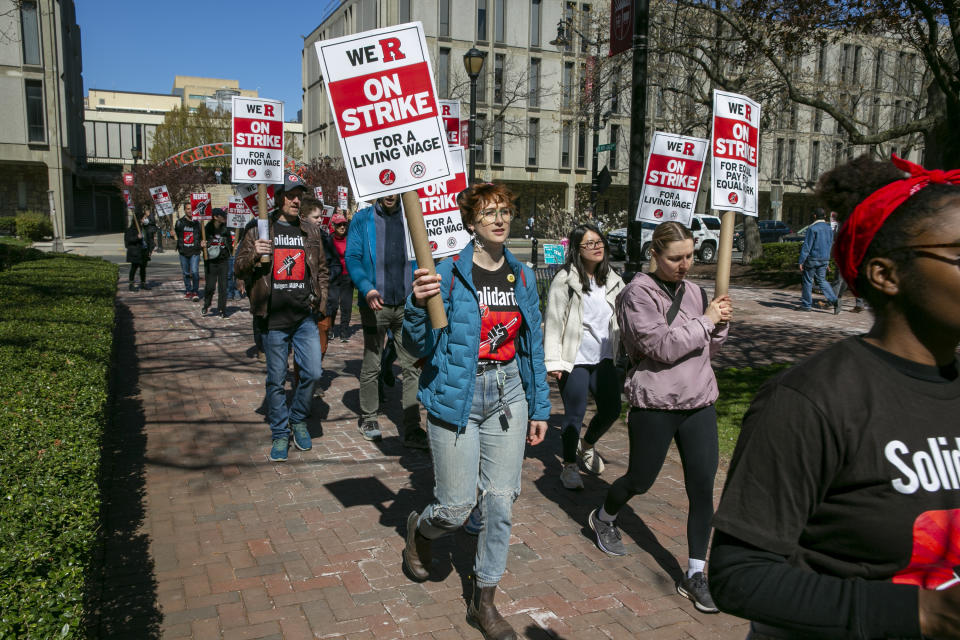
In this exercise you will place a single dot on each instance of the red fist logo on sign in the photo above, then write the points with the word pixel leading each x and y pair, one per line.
pixel 732 198
pixel 658 213
pixel 251 173
pixel 387 177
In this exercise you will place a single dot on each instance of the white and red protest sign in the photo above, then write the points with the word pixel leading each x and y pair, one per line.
pixel 248 192
pixel 238 215
pixel 318 193
pixel 381 92
pixel 326 216
pixel 161 200
pixel 672 179
pixel 464 133
pixel 342 203
pixel 450 112
pixel 128 198
pixel 736 145
pixel 257 137
pixel 200 206
pixel 128 179
pixel 441 215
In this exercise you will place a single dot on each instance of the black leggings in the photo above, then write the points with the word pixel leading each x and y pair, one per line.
pixel 215 277
pixel 142 266
pixel 650 433
pixel 602 381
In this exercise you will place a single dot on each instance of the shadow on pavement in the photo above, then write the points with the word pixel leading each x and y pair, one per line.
pixel 121 590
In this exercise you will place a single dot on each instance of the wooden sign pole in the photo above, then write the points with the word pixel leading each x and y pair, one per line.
pixel 203 236
pixel 421 249
pixel 262 212
pixel 725 253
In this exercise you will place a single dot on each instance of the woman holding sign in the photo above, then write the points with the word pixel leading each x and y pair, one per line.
pixel 581 343
pixel 840 517
pixel 484 387
pixel 670 331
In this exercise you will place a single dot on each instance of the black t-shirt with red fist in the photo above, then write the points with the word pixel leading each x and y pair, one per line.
pixel 499 313
pixel 290 292
pixel 188 237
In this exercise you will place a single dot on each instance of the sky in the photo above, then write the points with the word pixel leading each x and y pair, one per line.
pixel 141 46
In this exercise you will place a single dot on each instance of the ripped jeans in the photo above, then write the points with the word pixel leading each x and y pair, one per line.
pixel 484 457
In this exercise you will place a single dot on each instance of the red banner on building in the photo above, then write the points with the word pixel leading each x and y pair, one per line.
pixel 621 26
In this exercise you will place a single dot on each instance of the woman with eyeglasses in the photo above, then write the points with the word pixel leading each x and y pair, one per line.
pixel 840 517
pixel 581 341
pixel 670 332
pixel 484 387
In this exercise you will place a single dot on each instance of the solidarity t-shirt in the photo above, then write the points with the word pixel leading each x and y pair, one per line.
pixel 499 313
pixel 290 293
pixel 849 465
pixel 219 238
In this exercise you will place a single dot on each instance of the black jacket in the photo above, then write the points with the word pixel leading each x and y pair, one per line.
pixel 139 249
pixel 193 227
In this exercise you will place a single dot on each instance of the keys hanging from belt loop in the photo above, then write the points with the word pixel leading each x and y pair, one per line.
pixel 505 413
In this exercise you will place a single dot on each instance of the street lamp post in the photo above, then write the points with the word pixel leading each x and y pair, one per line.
pixel 638 135
pixel 473 63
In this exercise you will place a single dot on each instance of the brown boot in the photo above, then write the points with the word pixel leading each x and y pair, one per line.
pixel 482 614
pixel 416 555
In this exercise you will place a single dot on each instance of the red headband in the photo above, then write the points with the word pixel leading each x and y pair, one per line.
pixel 858 231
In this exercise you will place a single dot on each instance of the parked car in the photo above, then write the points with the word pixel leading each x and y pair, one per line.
pixel 770 231
pixel 706 236
pixel 618 241
pixel 796 237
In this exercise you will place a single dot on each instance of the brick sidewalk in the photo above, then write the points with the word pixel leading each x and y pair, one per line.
pixel 206 538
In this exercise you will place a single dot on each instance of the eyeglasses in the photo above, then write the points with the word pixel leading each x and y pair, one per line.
pixel 592 244
pixel 489 216
pixel 930 254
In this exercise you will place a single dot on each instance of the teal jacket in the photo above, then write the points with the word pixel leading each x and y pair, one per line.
pixel 451 354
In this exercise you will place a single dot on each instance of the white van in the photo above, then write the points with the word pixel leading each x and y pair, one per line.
pixel 706 238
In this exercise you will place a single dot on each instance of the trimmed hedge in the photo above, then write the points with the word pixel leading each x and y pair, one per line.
pixel 785 256
pixel 8 225
pixel 34 225
pixel 56 335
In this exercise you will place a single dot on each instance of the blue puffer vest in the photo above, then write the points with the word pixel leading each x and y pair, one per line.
pixel 451 354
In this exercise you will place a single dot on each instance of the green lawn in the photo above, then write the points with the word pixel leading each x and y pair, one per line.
pixel 17 242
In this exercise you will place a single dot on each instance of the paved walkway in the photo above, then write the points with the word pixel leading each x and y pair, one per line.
pixel 206 538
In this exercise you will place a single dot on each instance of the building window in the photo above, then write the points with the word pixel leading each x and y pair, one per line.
pixel 534 97
pixel 565 145
pixel 481 135
pixel 535 14
pixel 481 20
pixel 443 73
pixel 822 62
pixel 791 157
pixel 661 102
pixel 36 130
pixel 817 120
pixel 584 26
pixel 615 92
pixel 500 14
pixel 878 70
pixel 814 160
pixel 498 62
pixel 30 32
pixel 778 163
pixel 569 9
pixel 581 146
pixel 567 88
pixel 837 153
pixel 533 141
pixel 404 11
pixel 443 29
pixel 498 140
pixel 875 114
pixel 614 134
pixel 482 85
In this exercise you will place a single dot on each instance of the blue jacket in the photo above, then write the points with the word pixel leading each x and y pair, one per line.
pixel 361 254
pixel 816 244
pixel 451 354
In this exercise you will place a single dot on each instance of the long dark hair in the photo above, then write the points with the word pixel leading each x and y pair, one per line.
pixel 575 261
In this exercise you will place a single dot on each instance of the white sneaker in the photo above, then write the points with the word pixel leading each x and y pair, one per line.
pixel 590 459
pixel 570 477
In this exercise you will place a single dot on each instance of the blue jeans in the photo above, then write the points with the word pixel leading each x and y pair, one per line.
pixel 810 273
pixel 306 352
pixel 484 456
pixel 190 267
pixel 231 279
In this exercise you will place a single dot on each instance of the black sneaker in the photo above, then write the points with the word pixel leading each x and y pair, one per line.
pixel 607 534
pixel 837 308
pixel 132 287
pixel 205 311
pixel 695 589
pixel 415 438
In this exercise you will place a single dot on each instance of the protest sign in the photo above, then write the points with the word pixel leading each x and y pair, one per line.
pixel 161 200
pixel 553 254
pixel 342 198
pixel 128 179
pixel 736 143
pixel 257 135
pixel 381 92
pixel 326 215
pixel 238 215
pixel 441 214
pixel 200 206
pixel 128 199
pixel 318 193
pixel 450 112
pixel 249 194
pixel 672 179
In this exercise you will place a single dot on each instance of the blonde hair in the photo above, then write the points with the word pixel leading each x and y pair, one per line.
pixel 667 232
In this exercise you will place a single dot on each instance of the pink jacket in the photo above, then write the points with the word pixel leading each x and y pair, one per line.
pixel 672 369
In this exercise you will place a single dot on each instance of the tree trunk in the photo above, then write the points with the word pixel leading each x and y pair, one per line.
pixel 752 247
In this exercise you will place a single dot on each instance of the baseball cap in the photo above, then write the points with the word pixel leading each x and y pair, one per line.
pixel 292 181
pixel 338 218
